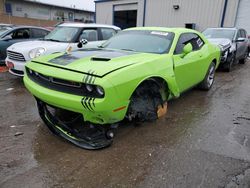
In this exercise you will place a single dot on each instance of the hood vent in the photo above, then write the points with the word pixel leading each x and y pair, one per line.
pixel 100 59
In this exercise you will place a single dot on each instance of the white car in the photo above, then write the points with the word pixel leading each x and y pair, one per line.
pixel 64 37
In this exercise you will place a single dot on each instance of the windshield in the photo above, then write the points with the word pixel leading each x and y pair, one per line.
pixel 62 34
pixel 4 29
pixel 219 33
pixel 141 41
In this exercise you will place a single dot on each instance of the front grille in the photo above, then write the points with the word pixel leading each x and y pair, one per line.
pixel 15 56
pixel 66 86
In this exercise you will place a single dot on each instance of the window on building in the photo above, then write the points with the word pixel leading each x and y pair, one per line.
pixel 107 33
pixel 19 9
pixel 8 8
pixel 71 16
pixel 60 15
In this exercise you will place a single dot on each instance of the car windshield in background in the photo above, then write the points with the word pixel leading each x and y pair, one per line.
pixel 62 34
pixel 141 41
pixel 4 29
pixel 219 33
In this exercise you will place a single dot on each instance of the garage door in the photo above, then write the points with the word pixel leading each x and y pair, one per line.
pixel 125 15
pixel 242 19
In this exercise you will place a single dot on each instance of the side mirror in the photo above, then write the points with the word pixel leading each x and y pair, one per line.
pixel 82 42
pixel 240 40
pixel 6 38
pixel 187 49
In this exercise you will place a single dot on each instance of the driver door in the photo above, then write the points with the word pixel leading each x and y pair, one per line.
pixel 241 46
pixel 188 68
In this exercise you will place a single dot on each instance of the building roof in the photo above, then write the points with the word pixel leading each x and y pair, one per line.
pixel 67 5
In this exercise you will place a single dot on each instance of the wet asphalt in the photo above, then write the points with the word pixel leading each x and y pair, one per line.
pixel 203 141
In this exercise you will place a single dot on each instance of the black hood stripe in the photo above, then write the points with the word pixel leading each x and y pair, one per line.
pixel 66 59
pixel 91 78
pixel 82 72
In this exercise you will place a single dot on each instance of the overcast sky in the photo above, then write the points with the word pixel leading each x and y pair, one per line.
pixel 80 4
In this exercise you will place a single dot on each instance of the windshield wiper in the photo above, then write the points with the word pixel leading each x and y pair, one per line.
pixel 54 40
pixel 100 46
pixel 131 50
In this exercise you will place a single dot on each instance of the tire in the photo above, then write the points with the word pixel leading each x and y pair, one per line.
pixel 244 59
pixel 208 81
pixel 228 66
pixel 144 103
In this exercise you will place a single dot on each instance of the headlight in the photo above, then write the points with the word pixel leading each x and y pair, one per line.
pixel 94 90
pixel 90 88
pixel 100 90
pixel 36 52
pixel 224 54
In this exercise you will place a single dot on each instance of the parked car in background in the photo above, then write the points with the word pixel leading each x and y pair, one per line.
pixel 14 34
pixel 5 27
pixel 248 45
pixel 132 75
pixel 233 42
pixel 49 28
pixel 64 37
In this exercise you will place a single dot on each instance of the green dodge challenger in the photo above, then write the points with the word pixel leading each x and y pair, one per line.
pixel 82 95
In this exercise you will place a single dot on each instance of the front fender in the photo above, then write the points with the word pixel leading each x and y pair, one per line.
pixel 126 81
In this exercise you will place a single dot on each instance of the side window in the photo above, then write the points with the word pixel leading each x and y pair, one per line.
pixel 238 34
pixel 186 38
pixel 89 34
pixel 21 34
pixel 107 33
pixel 243 34
pixel 39 33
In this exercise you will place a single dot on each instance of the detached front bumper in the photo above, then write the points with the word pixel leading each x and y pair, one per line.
pixel 87 137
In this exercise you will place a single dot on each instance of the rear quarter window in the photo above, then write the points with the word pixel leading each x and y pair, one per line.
pixel 107 33
pixel 39 33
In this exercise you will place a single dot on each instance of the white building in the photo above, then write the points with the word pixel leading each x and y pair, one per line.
pixel 198 14
pixel 44 11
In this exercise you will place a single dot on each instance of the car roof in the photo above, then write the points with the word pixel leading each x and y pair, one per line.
pixel 166 29
pixel 3 24
pixel 88 25
pixel 31 27
pixel 225 28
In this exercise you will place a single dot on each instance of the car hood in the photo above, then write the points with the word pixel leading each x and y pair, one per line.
pixel 96 62
pixel 224 43
pixel 50 46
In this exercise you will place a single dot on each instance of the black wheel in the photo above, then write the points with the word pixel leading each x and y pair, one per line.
pixel 208 81
pixel 110 134
pixel 244 59
pixel 228 65
pixel 145 102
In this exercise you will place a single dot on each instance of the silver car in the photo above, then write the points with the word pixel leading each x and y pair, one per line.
pixel 233 42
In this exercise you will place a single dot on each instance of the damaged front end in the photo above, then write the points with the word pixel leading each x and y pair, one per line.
pixel 71 126
pixel 225 47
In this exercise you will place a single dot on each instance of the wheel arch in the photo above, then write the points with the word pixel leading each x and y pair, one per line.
pixel 216 62
pixel 160 82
